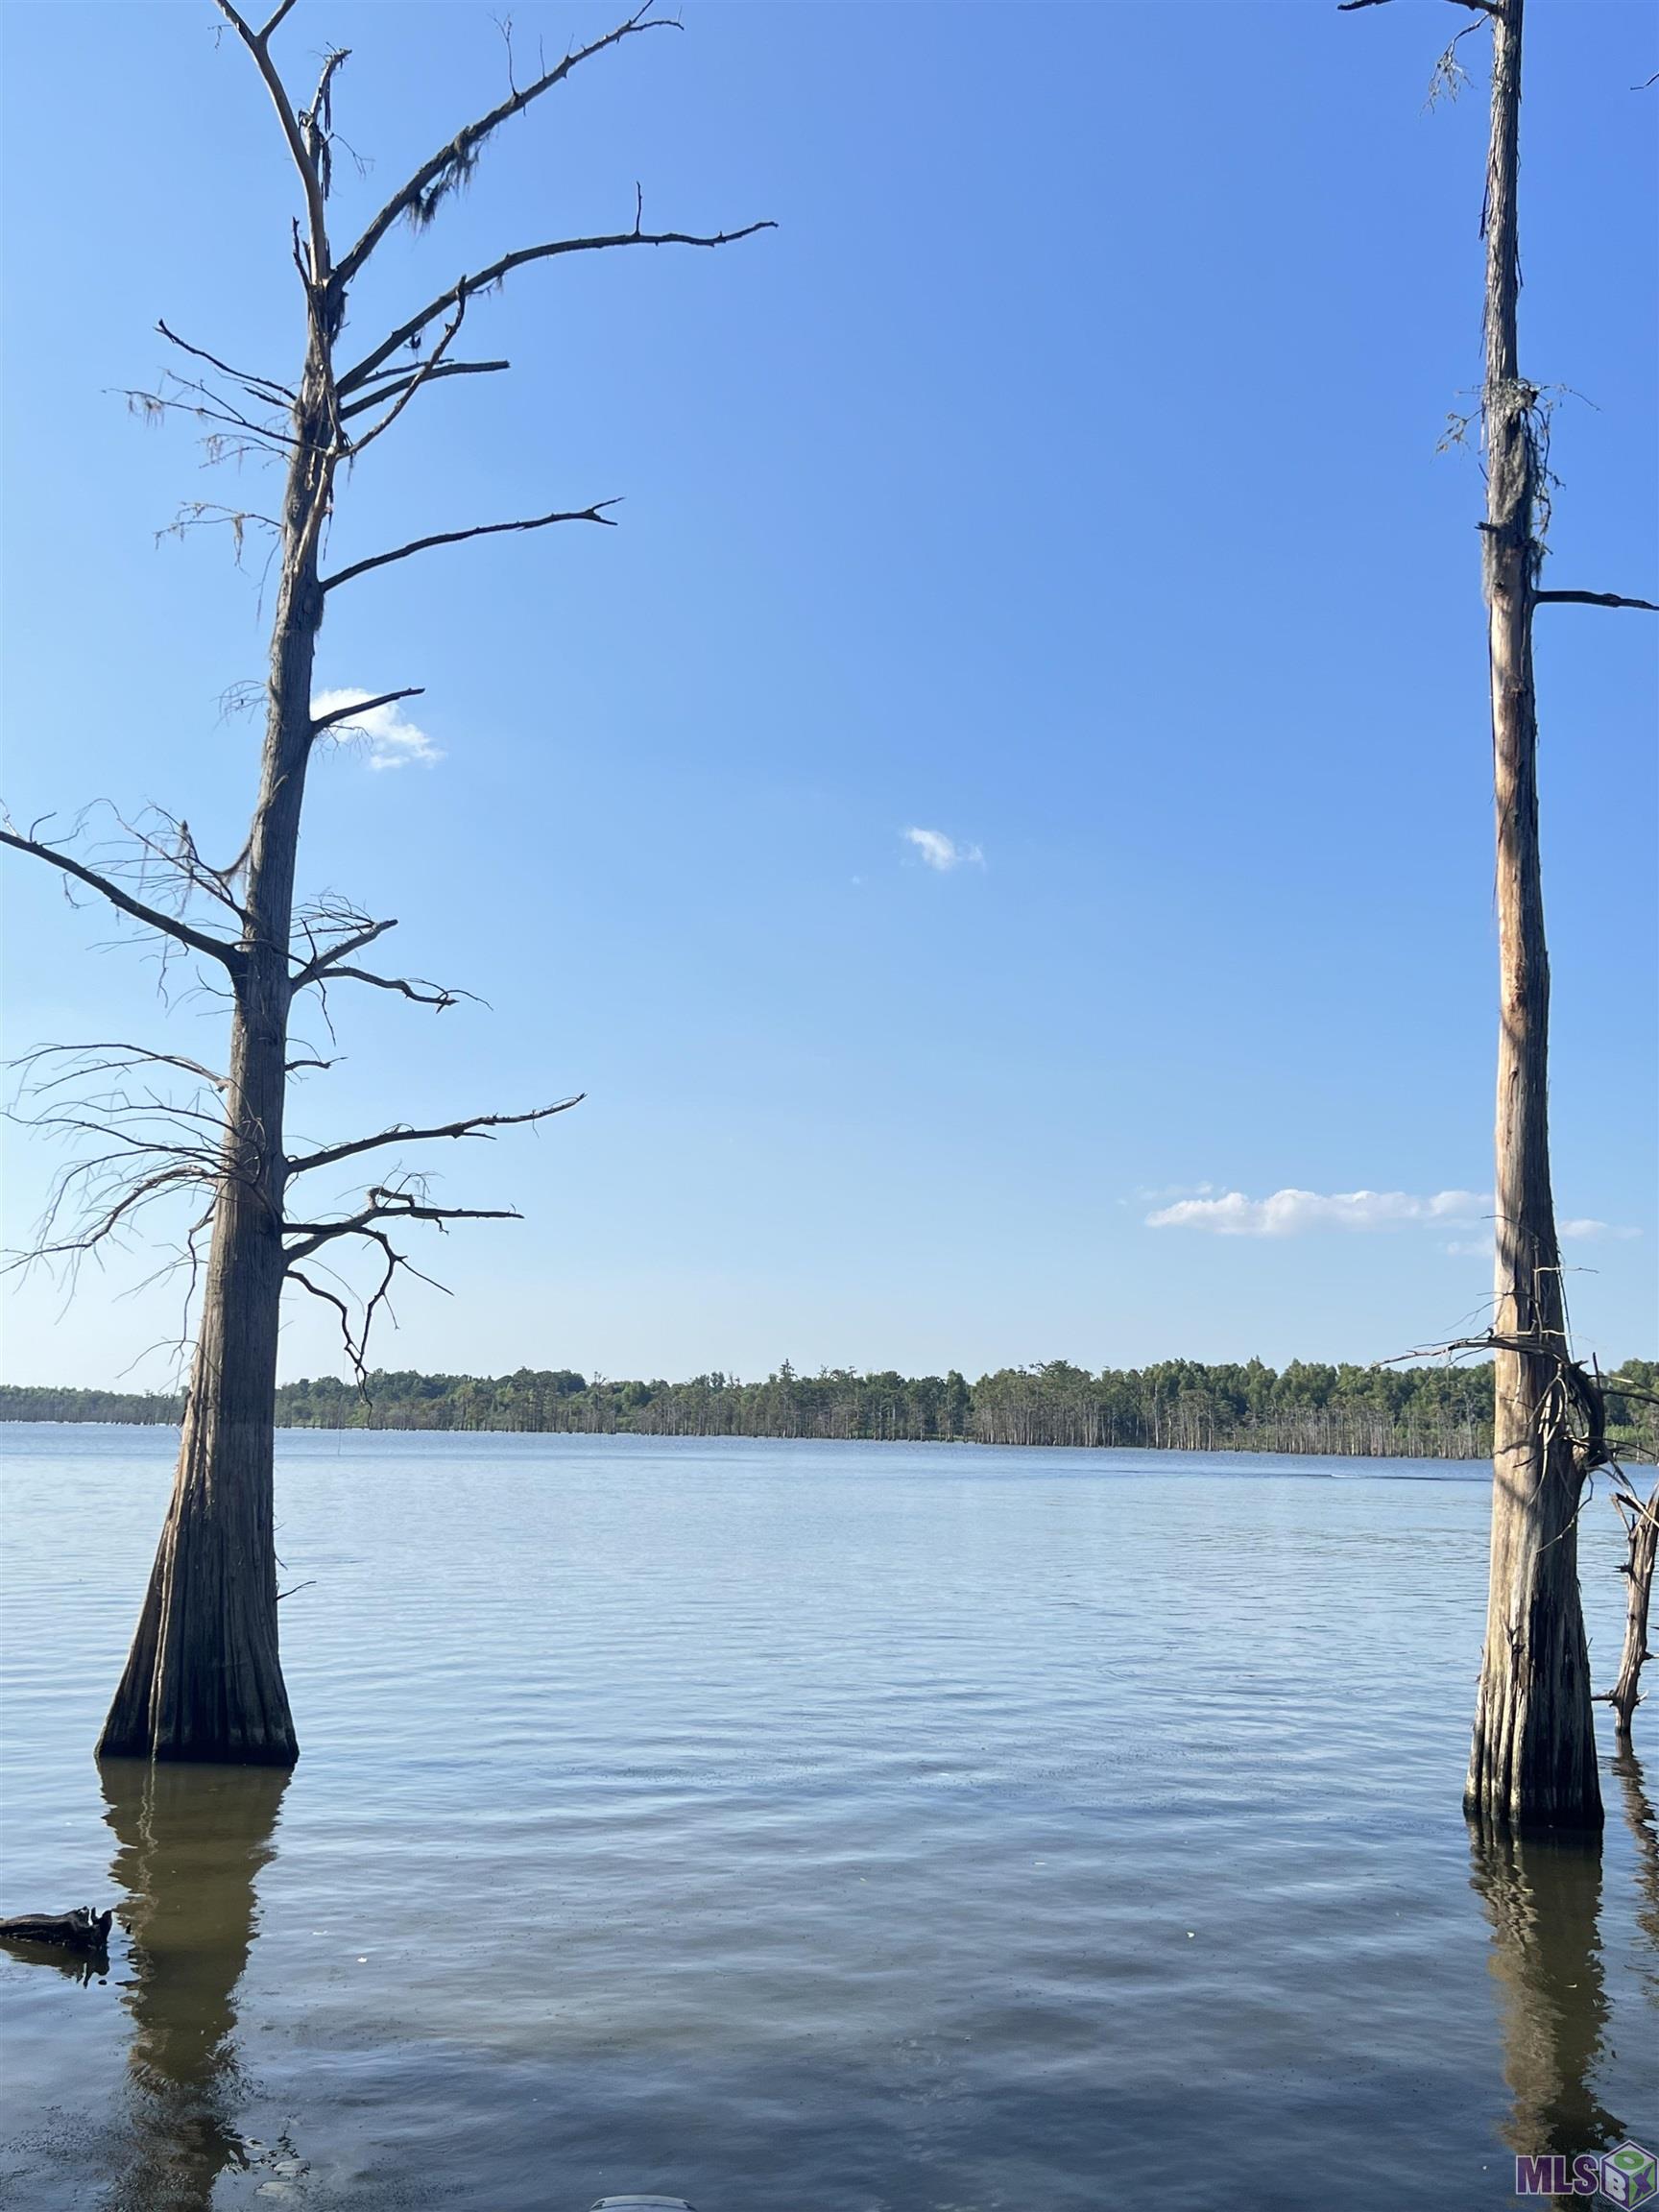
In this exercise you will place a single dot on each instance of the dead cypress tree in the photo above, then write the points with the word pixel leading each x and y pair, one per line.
pixel 203 1679
pixel 1533 1756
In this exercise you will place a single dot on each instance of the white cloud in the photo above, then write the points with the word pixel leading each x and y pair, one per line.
pixel 1291 1212
pixel 943 852
pixel 390 739
pixel 1588 1229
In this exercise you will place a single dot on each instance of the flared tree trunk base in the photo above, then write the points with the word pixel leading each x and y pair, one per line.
pixel 203 1679
pixel 1533 1765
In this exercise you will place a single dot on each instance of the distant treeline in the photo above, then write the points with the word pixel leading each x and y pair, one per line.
pixel 1437 1412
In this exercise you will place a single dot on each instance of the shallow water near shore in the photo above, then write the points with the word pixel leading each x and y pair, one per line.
pixel 802 1827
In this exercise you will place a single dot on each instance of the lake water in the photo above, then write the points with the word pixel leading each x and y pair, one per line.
pixel 802 1827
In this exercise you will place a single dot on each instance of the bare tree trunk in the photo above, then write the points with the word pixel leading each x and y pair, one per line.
pixel 1533 1758
pixel 203 1679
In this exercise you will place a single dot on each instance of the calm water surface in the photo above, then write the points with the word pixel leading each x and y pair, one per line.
pixel 808 1828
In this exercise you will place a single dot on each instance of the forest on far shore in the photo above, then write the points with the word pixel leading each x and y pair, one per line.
pixel 1435 1412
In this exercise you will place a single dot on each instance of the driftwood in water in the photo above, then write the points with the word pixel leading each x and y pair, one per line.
pixel 81 1930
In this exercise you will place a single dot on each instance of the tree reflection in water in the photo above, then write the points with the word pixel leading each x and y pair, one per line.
pixel 1644 1826
pixel 190 1842
pixel 1543 1898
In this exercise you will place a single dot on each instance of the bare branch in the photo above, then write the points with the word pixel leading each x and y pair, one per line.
pixel 310 182
pixel 265 388
pixel 593 513
pixel 190 1259
pixel 474 1125
pixel 85 1066
pixel 412 1212
pixel 402 379
pixel 149 1147
pixel 332 1298
pixel 317 122
pixel 357 1346
pixel 152 918
pixel 100 1227
pixel 1591 599
pixel 419 196
pixel 433 367
pixel 386 1203
pixel 364 707
pixel 322 963
pixel 208 515
pixel 1479 7
pixel 175 849
pixel 208 406
pixel 416 987
pixel 132 1141
pixel 508 263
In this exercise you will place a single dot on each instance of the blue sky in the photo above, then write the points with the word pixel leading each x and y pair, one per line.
pixel 1059 480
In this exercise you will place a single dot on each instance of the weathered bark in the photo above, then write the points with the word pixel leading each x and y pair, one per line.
pixel 1533 1756
pixel 203 1679
pixel 1641 1518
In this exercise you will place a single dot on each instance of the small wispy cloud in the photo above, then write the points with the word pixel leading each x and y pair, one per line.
pixel 388 737
pixel 1294 1213
pixel 943 852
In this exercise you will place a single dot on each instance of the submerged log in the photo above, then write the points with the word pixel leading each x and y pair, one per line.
pixel 81 1930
